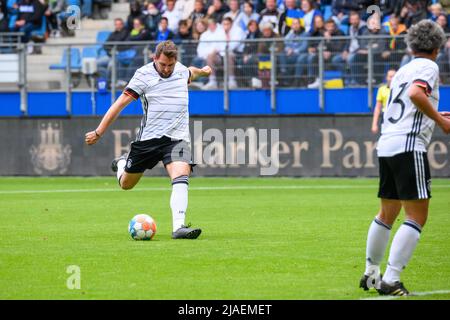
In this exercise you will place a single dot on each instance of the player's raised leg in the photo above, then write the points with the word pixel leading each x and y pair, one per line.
pixel 179 174
pixel 126 180
pixel 377 241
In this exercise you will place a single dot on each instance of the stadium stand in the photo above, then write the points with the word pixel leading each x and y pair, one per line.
pixel 344 61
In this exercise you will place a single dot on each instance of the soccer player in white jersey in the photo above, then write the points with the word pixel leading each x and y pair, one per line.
pixel 162 86
pixel 407 128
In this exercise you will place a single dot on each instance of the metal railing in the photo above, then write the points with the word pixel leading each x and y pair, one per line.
pixel 267 64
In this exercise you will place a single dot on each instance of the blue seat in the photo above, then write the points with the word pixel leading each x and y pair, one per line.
pixel 344 28
pixel 102 36
pixel 332 74
pixel 12 13
pixel 75 61
pixel 327 12
pixel 42 30
pixel 89 52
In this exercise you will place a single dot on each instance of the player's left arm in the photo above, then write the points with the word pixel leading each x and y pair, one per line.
pixel 197 73
pixel 419 97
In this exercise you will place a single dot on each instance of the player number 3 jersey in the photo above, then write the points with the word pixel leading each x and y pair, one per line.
pixel 164 102
pixel 405 128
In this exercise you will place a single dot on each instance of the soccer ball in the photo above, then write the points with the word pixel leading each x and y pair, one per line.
pixel 142 227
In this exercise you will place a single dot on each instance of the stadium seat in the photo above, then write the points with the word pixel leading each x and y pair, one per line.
pixel 89 52
pixel 327 12
pixel 102 36
pixel 12 13
pixel 40 34
pixel 344 28
pixel 75 64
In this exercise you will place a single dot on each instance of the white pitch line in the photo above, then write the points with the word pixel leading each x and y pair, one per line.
pixel 414 294
pixel 335 187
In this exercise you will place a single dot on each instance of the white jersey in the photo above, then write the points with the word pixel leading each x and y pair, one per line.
pixel 405 128
pixel 164 102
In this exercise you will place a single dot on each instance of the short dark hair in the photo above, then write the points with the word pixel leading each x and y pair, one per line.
pixel 354 13
pixel 183 23
pixel 250 4
pixel 167 48
pixel 164 18
pixel 228 19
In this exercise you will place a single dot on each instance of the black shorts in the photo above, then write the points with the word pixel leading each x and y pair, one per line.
pixel 146 154
pixel 405 176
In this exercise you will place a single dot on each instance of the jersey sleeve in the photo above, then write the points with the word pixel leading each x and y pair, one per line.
pixel 426 79
pixel 187 74
pixel 136 86
pixel 380 94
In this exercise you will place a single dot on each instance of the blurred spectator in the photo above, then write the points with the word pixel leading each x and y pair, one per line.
pixel 198 13
pixel 200 26
pixel 264 61
pixel 357 28
pixel 379 47
pixel 443 58
pixel 270 14
pixel 86 8
pixel 132 57
pixel 173 16
pixel 250 57
pixel 55 7
pixel 295 54
pixel 259 5
pixel 442 20
pixel 29 18
pixel 341 9
pixel 445 5
pixel 317 31
pixel 332 47
pixel 159 4
pixel 234 11
pixel 397 47
pixel 211 44
pixel 382 101
pixel 246 15
pixel 435 11
pixel 234 36
pixel 290 13
pixel 184 35
pixel 135 12
pixel 413 11
pixel 309 14
pixel 3 16
pixel 217 10
pixel 388 7
pixel 139 32
pixel 152 19
pixel 185 7
pixel 164 33
pixel 104 63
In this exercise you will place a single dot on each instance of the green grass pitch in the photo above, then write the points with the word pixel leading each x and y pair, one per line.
pixel 264 238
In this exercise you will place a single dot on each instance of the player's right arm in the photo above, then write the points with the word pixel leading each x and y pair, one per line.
pixel 108 119
pixel 419 97
pixel 376 117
